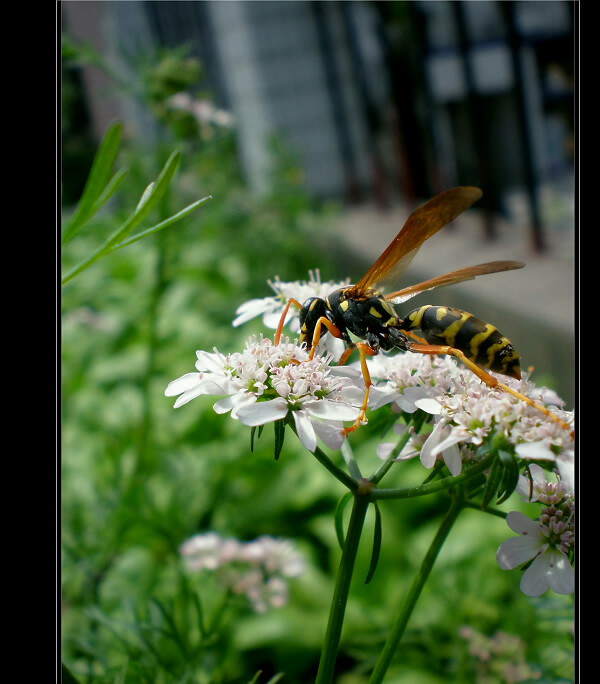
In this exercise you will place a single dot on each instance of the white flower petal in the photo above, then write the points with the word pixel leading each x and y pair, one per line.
pixel 380 396
pixel 405 405
pixel 185 383
pixel 334 346
pixel 516 551
pixel 429 405
pixel 535 580
pixel 351 394
pixel 330 410
pixel 262 412
pixel 186 397
pixel 306 432
pixel 421 398
pixel 535 451
pixel 429 449
pixel 271 318
pixel 521 524
pixel 562 576
pixel 330 434
pixel 452 459
pixel 566 467
pixel 525 486
pixel 550 570
pixel 253 308
pixel 212 363
pixel 228 403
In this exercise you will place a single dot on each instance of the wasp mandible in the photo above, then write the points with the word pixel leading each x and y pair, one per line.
pixel 369 315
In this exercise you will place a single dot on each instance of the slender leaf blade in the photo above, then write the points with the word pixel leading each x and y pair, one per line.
pixel 494 478
pixel 97 180
pixel 150 197
pixel 279 437
pixel 110 188
pixel 377 535
pixel 163 224
pixel 144 207
pixel 339 518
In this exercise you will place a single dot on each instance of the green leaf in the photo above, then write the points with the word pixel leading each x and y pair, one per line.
pixel 98 181
pixel 67 677
pixel 494 478
pixel 161 225
pixel 150 197
pixel 339 518
pixel 199 614
pixel 376 544
pixel 510 476
pixel 279 426
pixel 276 678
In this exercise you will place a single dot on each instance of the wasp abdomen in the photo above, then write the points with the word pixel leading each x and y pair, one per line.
pixel 481 342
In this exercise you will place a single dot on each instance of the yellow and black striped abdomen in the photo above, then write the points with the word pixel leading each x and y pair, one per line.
pixel 480 342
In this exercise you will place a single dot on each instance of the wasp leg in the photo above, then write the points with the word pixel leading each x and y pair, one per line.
pixel 282 319
pixel 489 380
pixel 410 333
pixel 334 330
pixel 364 350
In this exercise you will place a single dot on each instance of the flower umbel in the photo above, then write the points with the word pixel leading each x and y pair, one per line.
pixel 265 383
pixel 466 411
pixel 258 569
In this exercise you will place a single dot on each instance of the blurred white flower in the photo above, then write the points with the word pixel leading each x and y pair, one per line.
pixel 258 569
pixel 204 111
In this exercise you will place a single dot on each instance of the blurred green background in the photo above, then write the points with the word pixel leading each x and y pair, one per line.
pixel 138 477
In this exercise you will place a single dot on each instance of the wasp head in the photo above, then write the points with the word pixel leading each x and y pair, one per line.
pixel 312 309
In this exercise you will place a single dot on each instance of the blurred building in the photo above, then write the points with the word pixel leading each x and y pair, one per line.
pixel 378 99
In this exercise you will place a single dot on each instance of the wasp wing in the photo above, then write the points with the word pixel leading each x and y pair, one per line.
pixel 419 227
pixel 452 278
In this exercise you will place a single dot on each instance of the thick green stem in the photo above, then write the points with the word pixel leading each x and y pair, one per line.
pixel 342 587
pixel 414 592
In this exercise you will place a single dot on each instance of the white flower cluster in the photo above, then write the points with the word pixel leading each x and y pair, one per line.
pixel 547 542
pixel 465 411
pixel 258 569
pixel 264 383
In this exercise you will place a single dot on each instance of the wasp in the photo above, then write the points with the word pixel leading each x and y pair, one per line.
pixel 369 315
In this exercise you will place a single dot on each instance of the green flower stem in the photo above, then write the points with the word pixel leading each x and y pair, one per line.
pixel 342 587
pixel 436 485
pixel 414 592
pixel 389 462
pixel 338 473
pixel 325 461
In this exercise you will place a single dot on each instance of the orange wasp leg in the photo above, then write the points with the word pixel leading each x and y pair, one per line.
pixel 489 380
pixel 420 340
pixel 364 350
pixel 335 331
pixel 282 319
